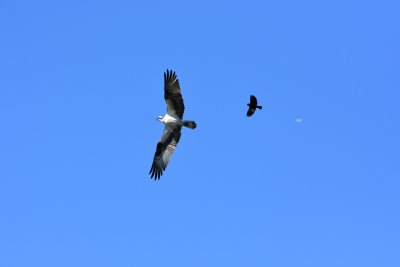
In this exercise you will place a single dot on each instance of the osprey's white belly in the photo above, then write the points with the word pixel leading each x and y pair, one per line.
pixel 170 121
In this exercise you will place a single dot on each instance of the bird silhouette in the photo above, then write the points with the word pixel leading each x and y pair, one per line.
pixel 252 106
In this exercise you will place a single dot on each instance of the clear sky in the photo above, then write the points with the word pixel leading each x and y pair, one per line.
pixel 311 180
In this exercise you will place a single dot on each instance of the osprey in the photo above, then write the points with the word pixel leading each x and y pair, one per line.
pixel 173 124
pixel 252 106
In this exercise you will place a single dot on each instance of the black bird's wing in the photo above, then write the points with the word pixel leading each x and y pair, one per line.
pixel 250 111
pixel 172 95
pixel 253 101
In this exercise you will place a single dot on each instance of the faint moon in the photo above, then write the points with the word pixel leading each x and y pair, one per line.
pixel 299 120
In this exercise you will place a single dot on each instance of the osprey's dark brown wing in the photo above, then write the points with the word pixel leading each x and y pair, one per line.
pixel 165 148
pixel 172 95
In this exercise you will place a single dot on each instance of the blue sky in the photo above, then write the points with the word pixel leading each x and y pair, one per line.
pixel 82 83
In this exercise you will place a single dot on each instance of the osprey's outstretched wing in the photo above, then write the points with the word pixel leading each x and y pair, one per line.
pixel 164 150
pixel 172 95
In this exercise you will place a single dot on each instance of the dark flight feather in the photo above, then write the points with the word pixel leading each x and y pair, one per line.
pixel 164 152
pixel 173 95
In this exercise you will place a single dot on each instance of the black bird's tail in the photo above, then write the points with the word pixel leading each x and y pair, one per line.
pixel 259 107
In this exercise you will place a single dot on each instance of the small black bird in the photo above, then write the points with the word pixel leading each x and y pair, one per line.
pixel 252 106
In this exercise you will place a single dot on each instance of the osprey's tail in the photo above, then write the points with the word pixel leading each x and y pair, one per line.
pixel 190 124
pixel 259 107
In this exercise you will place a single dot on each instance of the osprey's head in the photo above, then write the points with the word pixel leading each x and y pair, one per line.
pixel 159 118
